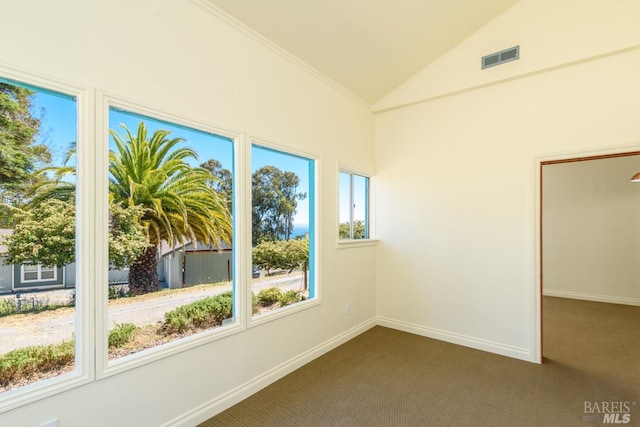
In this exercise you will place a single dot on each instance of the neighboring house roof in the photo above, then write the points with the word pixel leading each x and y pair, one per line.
pixel 4 232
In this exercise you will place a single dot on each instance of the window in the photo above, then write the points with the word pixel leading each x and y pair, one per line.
pixel 37 273
pixel 170 201
pixel 38 213
pixel 354 206
pixel 282 229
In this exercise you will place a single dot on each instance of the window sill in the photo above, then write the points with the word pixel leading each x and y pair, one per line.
pixel 356 243
pixel 284 311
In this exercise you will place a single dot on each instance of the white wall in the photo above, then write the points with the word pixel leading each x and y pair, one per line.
pixel 457 157
pixel 591 230
pixel 175 56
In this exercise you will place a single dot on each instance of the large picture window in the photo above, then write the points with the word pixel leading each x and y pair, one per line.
pixel 166 200
pixel 38 220
pixel 283 232
pixel 170 232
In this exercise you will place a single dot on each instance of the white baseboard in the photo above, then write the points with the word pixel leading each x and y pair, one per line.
pixel 591 297
pixel 236 395
pixel 479 344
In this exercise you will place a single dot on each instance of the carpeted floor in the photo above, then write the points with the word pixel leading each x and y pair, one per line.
pixel 389 378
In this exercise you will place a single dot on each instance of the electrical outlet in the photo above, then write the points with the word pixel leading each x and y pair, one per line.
pixel 50 423
pixel 348 309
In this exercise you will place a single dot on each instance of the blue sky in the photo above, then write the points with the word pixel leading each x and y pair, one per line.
pixel 58 130
pixel 57 116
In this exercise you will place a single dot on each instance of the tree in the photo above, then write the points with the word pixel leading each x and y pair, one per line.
pixel 358 230
pixel 20 153
pixel 275 201
pixel 45 234
pixel 222 181
pixel 281 255
pixel 178 204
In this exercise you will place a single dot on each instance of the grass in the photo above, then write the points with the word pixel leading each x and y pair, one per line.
pixel 121 334
pixel 22 364
pixel 10 306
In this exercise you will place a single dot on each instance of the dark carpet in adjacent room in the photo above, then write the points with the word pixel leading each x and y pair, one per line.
pixel 385 377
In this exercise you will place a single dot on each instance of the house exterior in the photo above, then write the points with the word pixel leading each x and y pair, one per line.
pixel 16 278
pixel 190 264
pixel 186 265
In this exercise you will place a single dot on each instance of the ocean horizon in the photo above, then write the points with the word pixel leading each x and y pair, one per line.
pixel 300 230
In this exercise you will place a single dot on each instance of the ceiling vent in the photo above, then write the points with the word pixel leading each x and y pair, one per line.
pixel 501 57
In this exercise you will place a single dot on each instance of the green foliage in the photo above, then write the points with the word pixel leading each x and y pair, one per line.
pixel 267 256
pixel 296 253
pixel 57 182
pixel 221 180
pixel 152 172
pixel 269 296
pixel 289 297
pixel 204 313
pixel 19 129
pixel 116 292
pixel 127 239
pixel 29 362
pixel 20 153
pixel 282 254
pixel 121 334
pixel 358 230
pixel 177 202
pixel 9 306
pixel 44 234
pixel 275 199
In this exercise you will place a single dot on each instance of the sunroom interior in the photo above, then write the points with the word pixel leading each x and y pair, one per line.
pixel 455 154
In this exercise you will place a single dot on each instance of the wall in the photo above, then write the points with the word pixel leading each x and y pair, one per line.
pixel 457 157
pixel 591 230
pixel 178 56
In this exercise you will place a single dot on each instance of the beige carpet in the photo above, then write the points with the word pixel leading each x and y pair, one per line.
pixel 390 378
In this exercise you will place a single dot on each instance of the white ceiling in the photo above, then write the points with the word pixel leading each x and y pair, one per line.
pixel 369 47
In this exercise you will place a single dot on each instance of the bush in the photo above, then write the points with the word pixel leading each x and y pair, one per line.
pixel 121 334
pixel 207 312
pixel 269 296
pixel 27 362
pixel 9 306
pixel 118 291
pixel 289 297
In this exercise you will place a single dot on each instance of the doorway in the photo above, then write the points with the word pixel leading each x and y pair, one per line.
pixel 589 230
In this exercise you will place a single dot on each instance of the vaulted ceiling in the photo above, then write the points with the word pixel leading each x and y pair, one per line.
pixel 369 47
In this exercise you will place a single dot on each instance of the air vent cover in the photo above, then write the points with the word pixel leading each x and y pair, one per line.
pixel 501 57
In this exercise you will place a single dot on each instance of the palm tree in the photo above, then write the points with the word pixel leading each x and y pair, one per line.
pixel 178 204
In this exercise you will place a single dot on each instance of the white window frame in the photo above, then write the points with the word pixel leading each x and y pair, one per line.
pixel 38 270
pixel 370 240
pixel 253 321
pixel 83 371
pixel 105 367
